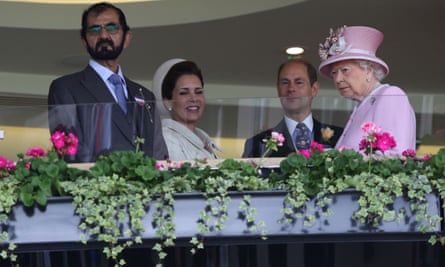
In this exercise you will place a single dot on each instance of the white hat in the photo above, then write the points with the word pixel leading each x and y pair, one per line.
pixel 158 79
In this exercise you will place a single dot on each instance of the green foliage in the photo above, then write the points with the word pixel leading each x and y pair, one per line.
pixel 39 178
pixel 436 165
pixel 8 198
pixel 311 172
pixel 133 166
pixel 31 182
pixel 114 195
pixel 111 211
pixel 378 179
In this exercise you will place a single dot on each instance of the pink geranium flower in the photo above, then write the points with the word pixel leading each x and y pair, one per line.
pixel 175 165
pixel 272 143
pixel 71 150
pixel 305 152
pixel 65 143
pixel 316 147
pixel 409 153
pixel 58 139
pixel 3 162
pixel 278 138
pixel 384 141
pixel 71 142
pixel 170 165
pixel 36 152
pixel 6 164
pixel 371 128
pixel 376 140
pixel 343 148
pixel 159 166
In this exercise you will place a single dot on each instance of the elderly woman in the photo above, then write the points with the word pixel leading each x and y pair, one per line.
pixel 180 84
pixel 348 58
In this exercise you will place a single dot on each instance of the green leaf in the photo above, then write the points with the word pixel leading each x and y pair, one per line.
pixel 41 198
pixel 51 170
pixel 27 199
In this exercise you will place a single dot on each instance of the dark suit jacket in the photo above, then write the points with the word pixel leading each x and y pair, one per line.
pixel 254 147
pixel 82 103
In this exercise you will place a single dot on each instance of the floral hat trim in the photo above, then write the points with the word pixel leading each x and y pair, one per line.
pixel 334 44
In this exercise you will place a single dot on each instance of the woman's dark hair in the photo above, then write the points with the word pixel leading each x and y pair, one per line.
pixel 175 72
pixel 97 9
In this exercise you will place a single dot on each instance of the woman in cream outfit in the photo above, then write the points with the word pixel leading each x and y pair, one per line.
pixel 179 84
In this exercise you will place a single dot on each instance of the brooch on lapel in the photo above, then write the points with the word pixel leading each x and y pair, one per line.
pixel 140 100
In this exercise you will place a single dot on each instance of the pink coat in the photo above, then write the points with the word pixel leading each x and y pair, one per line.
pixel 388 107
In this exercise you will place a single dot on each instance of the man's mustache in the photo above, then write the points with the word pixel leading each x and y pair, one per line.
pixel 103 42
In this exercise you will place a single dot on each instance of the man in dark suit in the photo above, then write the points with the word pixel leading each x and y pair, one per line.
pixel 106 110
pixel 86 102
pixel 297 85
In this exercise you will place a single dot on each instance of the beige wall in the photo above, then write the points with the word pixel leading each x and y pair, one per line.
pixel 19 139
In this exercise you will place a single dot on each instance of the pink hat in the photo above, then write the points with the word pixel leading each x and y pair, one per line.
pixel 356 42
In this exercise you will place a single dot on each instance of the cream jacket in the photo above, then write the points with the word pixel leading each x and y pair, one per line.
pixel 184 144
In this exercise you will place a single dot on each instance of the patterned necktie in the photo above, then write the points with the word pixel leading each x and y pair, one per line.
pixel 303 138
pixel 119 91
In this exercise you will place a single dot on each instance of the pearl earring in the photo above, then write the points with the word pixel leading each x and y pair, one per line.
pixel 169 109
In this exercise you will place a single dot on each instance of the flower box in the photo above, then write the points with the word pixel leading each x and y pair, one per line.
pixel 57 223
